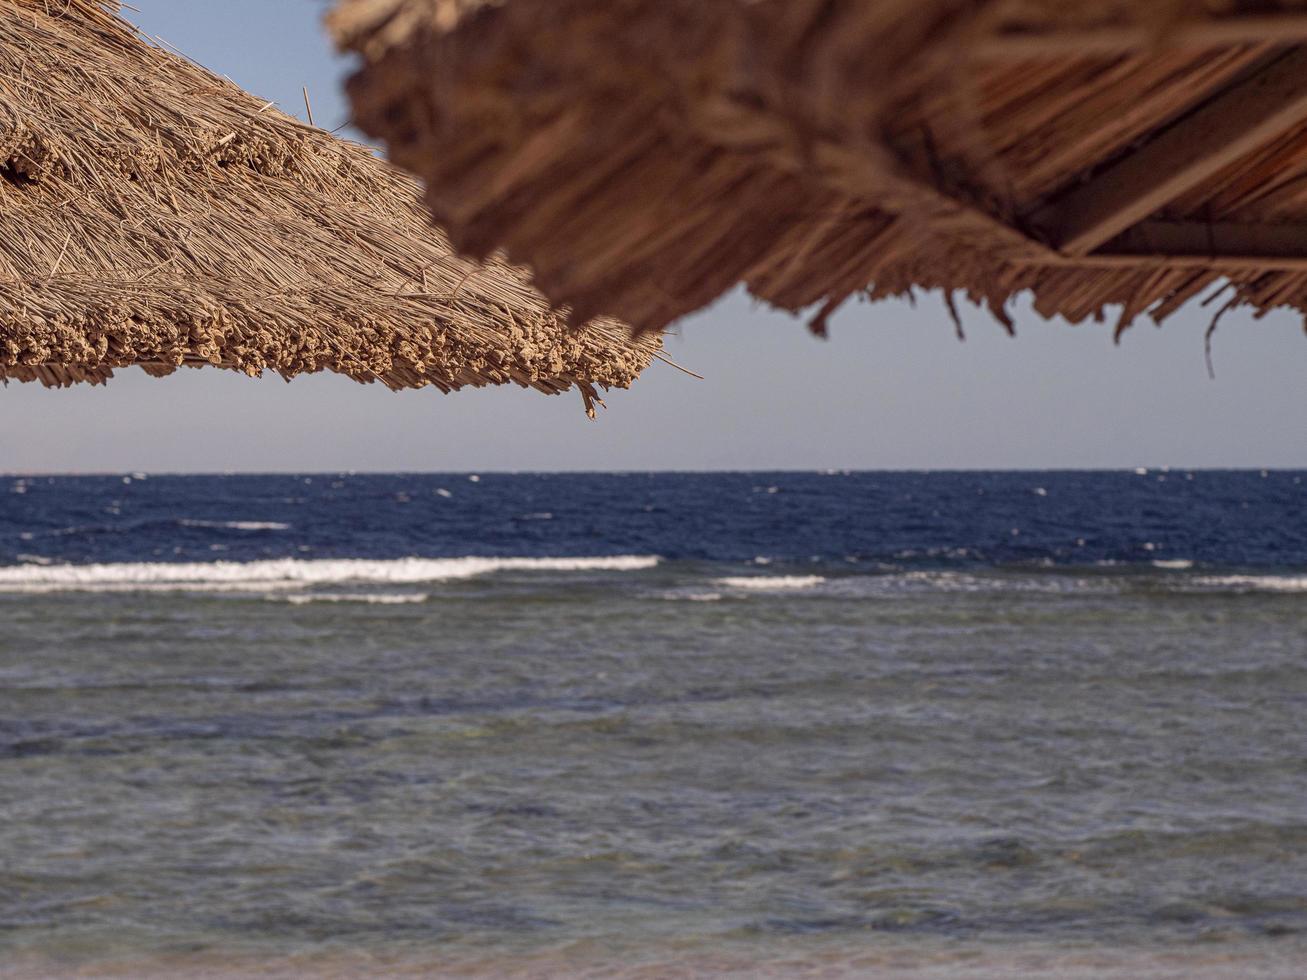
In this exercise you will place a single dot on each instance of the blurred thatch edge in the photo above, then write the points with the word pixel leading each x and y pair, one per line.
pixel 644 157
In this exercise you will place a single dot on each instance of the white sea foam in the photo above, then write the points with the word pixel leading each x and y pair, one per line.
pixel 370 598
pixel 1256 583
pixel 770 583
pixel 245 587
pixel 237 525
pixel 287 573
pixel 935 581
pixel 692 596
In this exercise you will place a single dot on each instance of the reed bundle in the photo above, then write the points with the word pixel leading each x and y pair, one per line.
pixel 644 157
pixel 157 215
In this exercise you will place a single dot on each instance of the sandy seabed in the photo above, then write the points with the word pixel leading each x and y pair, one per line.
pixel 1281 960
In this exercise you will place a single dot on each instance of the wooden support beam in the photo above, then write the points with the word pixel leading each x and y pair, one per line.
pixel 1218 263
pixel 1263 242
pixel 1279 29
pixel 1127 262
pixel 1224 246
pixel 1220 132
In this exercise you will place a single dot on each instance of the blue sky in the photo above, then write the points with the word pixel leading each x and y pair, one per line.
pixel 892 388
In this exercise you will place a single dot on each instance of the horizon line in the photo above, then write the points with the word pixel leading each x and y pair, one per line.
pixel 688 471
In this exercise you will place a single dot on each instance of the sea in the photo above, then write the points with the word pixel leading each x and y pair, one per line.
pixel 920 724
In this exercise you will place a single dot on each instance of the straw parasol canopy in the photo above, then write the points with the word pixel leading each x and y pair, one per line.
pixel 157 215
pixel 645 157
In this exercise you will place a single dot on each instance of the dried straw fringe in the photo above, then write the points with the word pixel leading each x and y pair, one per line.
pixel 155 214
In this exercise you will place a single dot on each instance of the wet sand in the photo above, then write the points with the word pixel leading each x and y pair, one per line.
pixel 1274 960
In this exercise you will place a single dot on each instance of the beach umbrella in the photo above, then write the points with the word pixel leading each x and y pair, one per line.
pixel 645 156
pixel 157 215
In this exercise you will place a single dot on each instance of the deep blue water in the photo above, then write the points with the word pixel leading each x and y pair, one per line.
pixel 1221 518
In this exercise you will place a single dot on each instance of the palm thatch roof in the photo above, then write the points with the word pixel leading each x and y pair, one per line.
pixel 157 215
pixel 645 157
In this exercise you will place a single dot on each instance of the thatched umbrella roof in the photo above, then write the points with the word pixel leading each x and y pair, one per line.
pixel 157 215
pixel 644 157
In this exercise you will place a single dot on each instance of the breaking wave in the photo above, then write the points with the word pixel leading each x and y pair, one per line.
pixel 288 573
pixel 770 583
pixel 1255 583
pixel 237 525
pixel 368 598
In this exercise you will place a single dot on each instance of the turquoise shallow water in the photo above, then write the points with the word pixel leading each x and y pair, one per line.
pixel 554 763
